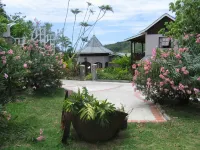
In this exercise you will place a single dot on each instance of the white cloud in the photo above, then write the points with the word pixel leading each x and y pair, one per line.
pixel 55 10
pixel 129 17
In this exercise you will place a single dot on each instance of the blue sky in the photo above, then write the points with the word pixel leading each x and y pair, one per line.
pixel 129 17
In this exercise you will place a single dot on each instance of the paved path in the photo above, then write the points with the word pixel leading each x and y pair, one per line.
pixel 120 93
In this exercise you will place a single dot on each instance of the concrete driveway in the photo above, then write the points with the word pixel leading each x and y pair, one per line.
pixel 120 93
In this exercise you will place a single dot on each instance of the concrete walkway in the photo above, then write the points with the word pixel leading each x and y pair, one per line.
pixel 120 93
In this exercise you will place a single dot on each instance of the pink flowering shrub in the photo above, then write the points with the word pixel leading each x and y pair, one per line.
pixel 31 67
pixel 170 76
pixel 45 69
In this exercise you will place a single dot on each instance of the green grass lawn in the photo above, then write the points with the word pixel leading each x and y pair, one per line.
pixel 35 112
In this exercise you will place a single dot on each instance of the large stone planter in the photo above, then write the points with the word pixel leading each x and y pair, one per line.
pixel 91 131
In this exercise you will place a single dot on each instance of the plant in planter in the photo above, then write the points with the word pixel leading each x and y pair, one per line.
pixel 93 120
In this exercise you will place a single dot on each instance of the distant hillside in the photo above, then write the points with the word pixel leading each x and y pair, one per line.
pixel 119 47
pixel 124 47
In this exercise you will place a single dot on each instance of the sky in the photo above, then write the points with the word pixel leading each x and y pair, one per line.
pixel 129 17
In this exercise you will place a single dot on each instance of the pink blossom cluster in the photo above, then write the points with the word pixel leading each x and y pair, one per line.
pixel 181 50
pixel 3 59
pixel 165 55
pixel 198 38
pixel 147 66
pixel 10 52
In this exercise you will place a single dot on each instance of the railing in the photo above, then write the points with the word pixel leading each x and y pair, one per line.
pixel 138 56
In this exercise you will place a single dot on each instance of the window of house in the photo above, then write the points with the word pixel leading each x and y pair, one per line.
pixel 164 42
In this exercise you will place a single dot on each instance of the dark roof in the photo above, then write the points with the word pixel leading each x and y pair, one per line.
pixel 94 46
pixel 141 36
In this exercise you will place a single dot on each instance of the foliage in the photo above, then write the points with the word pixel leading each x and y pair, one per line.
pixel 187 18
pixel 88 107
pixel 181 132
pixel 112 74
pixel 171 75
pixel 123 62
pixel 34 67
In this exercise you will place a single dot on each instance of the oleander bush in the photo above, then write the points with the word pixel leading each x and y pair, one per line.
pixel 31 67
pixel 171 76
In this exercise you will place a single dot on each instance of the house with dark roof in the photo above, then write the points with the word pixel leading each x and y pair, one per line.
pixel 94 53
pixel 150 38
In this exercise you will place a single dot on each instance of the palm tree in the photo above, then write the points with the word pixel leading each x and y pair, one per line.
pixel 104 9
pixel 75 12
pixel 89 4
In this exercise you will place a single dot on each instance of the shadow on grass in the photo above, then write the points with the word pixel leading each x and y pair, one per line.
pixel 190 111
pixel 13 131
pixel 75 142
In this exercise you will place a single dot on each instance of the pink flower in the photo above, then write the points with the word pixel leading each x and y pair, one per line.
pixel 177 70
pixel 40 138
pixel 198 78
pixel 146 72
pixel 25 66
pixel 198 35
pixel 136 72
pixel 198 40
pixel 139 65
pixel 146 68
pixel 165 74
pixel 2 53
pixel 161 76
pixel 167 80
pixel 5 75
pixel 154 52
pixel 149 79
pixel 178 56
pixel 196 91
pixel 183 69
pixel 134 78
pixel 165 55
pixel 134 66
pixel 4 62
pixel 162 69
pixel 186 72
pixel 181 86
pixel 161 83
pixel 10 52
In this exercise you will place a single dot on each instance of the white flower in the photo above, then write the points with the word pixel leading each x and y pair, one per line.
pixel 24 87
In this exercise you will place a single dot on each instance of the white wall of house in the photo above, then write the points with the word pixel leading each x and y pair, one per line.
pixel 152 41
pixel 94 59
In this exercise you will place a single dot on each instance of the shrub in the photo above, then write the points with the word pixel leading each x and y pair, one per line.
pixel 33 67
pixel 112 74
pixel 88 107
pixel 170 75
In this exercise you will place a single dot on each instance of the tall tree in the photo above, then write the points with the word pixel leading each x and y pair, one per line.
pixel 187 18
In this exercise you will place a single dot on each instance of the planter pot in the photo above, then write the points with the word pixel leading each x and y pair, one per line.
pixel 91 131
